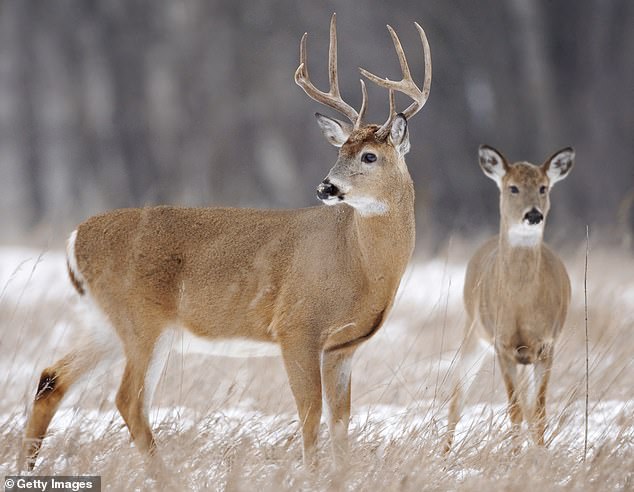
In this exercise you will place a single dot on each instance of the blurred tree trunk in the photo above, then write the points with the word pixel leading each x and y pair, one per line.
pixel 27 125
pixel 540 106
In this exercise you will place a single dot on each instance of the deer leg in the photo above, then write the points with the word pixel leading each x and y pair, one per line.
pixel 53 386
pixel 509 375
pixel 336 369
pixel 302 362
pixel 140 378
pixel 542 369
pixel 129 402
pixel 473 354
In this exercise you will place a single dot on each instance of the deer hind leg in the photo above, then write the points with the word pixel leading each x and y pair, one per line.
pixel 54 384
pixel 541 373
pixel 336 370
pixel 144 365
pixel 474 353
pixel 302 363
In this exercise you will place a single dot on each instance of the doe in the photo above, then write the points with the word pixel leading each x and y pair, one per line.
pixel 516 290
pixel 314 282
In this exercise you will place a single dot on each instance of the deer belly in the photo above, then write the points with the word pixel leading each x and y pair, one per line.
pixel 186 342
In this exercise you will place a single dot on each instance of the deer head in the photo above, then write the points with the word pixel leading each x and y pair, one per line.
pixel 525 191
pixel 371 161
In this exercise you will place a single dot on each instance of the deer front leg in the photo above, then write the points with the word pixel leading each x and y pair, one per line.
pixel 302 359
pixel 509 374
pixel 541 373
pixel 336 369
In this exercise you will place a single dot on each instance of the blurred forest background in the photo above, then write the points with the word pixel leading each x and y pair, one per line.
pixel 118 103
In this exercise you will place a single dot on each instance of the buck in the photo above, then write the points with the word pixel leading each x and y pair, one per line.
pixel 516 290
pixel 315 282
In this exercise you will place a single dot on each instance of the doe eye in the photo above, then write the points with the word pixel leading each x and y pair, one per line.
pixel 542 189
pixel 368 157
pixel 514 189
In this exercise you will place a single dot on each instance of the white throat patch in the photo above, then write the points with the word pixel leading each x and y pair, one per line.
pixel 524 235
pixel 331 200
pixel 367 206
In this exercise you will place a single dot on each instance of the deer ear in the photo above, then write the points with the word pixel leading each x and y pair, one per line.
pixel 493 163
pixel 335 131
pixel 559 165
pixel 399 136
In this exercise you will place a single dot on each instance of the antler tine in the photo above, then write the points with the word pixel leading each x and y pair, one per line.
pixel 332 57
pixel 385 128
pixel 364 105
pixel 332 98
pixel 427 82
pixel 406 85
pixel 400 53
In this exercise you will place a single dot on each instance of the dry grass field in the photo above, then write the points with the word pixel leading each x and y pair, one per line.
pixel 230 424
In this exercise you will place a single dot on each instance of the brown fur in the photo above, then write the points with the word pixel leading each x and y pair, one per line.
pixel 364 137
pixel 51 389
pixel 516 297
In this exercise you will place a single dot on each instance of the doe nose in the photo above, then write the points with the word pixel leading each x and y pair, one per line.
pixel 534 216
pixel 327 190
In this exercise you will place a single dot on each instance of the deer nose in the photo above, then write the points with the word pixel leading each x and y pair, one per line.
pixel 534 216
pixel 327 190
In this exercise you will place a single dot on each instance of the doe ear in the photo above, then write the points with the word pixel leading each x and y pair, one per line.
pixel 335 131
pixel 399 136
pixel 559 164
pixel 493 163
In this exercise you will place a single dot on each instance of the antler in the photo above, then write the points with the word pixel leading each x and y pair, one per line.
pixel 406 85
pixel 332 98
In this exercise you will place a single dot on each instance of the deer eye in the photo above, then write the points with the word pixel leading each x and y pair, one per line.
pixel 368 157
pixel 542 189
pixel 514 189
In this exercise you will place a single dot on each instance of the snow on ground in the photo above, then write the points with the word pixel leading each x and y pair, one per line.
pixel 608 422
pixel 29 277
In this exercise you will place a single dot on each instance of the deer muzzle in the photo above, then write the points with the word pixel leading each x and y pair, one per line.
pixel 534 216
pixel 326 191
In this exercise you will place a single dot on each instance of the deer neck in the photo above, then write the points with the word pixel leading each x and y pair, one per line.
pixel 386 241
pixel 518 260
